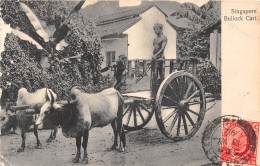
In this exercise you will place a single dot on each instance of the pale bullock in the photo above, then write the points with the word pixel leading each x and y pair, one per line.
pixel 26 118
pixel 83 113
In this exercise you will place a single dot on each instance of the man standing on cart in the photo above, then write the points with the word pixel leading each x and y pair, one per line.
pixel 158 60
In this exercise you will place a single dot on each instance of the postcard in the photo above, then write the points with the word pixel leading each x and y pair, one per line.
pixel 97 82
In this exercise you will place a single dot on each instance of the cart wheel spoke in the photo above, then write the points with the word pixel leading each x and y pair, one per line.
pixel 173 122
pixel 139 112
pixel 185 124
pixel 173 93
pixel 183 86
pixel 135 118
pixel 127 109
pixel 170 99
pixel 178 88
pixel 189 118
pixel 180 84
pixel 192 95
pixel 188 90
pixel 195 113
pixel 195 103
pixel 169 116
pixel 179 125
pixel 144 107
pixel 129 117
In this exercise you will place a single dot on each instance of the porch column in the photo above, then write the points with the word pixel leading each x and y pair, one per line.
pixel 144 67
pixel 213 47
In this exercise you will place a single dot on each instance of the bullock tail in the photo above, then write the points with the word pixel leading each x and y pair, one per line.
pixel 120 126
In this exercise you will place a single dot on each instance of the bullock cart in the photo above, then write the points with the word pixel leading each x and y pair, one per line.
pixel 179 103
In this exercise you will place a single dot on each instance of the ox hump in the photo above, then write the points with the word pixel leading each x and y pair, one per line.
pixel 22 91
pixel 75 91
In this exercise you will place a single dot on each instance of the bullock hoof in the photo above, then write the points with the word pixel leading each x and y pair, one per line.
pixel 38 146
pixel 49 140
pixel 121 149
pixel 85 160
pixel 113 147
pixel 76 159
pixel 20 149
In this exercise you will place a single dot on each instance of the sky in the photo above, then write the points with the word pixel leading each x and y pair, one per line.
pixel 137 2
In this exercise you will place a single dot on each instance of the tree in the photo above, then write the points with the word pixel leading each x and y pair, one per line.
pixel 190 44
pixel 20 62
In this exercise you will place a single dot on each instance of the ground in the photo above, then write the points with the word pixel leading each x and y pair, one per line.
pixel 144 147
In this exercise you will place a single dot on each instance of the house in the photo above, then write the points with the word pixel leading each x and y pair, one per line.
pixel 129 32
pixel 214 29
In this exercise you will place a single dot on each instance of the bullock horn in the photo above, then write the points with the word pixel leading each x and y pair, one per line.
pixel 50 95
pixel 67 101
pixel 47 95
pixel 63 102
pixel 52 98
pixel 72 101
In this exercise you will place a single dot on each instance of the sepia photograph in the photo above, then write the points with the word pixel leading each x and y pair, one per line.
pixel 97 83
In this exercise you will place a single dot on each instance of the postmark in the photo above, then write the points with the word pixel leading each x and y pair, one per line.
pixel 230 139
pixel 239 141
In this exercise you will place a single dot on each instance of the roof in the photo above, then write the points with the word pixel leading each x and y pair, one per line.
pixel 122 15
pixel 111 7
pixel 116 28
pixel 117 22
pixel 114 20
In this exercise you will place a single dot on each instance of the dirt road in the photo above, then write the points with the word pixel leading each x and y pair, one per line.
pixel 145 147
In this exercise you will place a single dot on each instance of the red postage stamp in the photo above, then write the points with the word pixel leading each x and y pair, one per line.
pixel 239 141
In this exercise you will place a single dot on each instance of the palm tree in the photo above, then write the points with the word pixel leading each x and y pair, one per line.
pixel 43 41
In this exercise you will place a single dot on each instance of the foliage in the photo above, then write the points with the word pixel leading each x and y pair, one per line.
pixel 203 15
pixel 12 15
pixel 192 44
pixel 189 45
pixel 20 60
pixel 208 75
pixel 210 78
pixel 51 12
pixel 190 14
pixel 83 40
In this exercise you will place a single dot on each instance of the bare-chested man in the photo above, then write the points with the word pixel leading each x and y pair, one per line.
pixel 159 44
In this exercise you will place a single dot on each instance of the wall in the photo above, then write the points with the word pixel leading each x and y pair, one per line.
pixel 215 49
pixel 141 35
pixel 119 45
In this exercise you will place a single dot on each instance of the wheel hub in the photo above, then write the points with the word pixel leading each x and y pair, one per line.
pixel 183 105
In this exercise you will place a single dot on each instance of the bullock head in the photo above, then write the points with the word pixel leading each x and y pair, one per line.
pixel 7 121
pixel 49 112
pixel 52 112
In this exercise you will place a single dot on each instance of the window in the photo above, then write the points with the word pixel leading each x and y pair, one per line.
pixel 110 57
pixel 113 57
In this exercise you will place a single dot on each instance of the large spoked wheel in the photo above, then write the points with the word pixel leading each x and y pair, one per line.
pixel 180 106
pixel 136 115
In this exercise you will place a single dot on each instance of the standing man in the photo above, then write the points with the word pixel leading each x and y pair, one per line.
pixel 159 44
pixel 119 70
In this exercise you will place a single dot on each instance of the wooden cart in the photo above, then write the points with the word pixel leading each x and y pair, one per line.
pixel 179 105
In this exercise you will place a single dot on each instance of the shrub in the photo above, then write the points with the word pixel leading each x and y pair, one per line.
pixel 20 63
